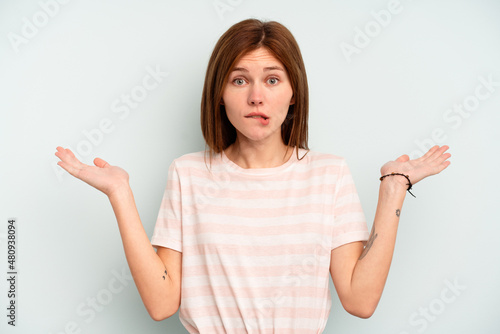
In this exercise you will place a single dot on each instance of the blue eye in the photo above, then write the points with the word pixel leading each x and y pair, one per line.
pixel 239 81
pixel 273 81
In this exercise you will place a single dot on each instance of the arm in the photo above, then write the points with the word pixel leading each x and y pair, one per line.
pixel 359 274
pixel 157 275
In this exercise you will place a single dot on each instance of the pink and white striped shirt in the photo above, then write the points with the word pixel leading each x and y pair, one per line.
pixel 256 243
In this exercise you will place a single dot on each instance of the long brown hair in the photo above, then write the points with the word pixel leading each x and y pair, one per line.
pixel 238 40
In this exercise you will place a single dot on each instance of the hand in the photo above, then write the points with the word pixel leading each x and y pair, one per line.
pixel 432 162
pixel 103 176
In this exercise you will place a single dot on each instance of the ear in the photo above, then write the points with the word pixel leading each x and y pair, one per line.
pixel 221 101
pixel 292 101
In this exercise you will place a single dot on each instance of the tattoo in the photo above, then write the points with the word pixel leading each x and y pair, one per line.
pixel 398 212
pixel 165 275
pixel 369 243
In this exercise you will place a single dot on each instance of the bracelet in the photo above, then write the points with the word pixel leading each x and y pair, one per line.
pixel 408 184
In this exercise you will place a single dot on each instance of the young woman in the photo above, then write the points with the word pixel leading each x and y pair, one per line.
pixel 251 229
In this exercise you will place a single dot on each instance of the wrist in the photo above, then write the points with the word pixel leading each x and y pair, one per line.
pixel 119 192
pixel 409 184
pixel 394 184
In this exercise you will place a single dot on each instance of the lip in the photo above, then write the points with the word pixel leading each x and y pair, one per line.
pixel 257 114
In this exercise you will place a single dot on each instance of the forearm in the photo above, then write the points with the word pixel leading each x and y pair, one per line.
pixel 372 268
pixel 157 292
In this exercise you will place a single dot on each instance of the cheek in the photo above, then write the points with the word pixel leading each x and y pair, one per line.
pixel 224 96
pixel 285 98
pixel 232 98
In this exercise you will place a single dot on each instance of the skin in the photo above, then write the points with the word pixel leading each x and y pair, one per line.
pixel 359 272
pixel 157 275
pixel 259 83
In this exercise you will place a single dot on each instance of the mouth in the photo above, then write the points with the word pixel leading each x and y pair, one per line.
pixel 263 119
pixel 257 115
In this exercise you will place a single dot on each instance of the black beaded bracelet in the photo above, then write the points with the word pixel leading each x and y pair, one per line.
pixel 408 184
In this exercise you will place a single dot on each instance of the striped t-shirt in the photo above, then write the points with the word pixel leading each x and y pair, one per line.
pixel 256 243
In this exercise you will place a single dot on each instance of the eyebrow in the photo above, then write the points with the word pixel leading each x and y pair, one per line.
pixel 269 68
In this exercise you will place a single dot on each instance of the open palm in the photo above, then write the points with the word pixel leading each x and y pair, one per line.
pixel 102 176
pixel 431 163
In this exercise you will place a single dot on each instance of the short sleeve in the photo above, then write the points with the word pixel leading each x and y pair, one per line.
pixel 349 220
pixel 168 229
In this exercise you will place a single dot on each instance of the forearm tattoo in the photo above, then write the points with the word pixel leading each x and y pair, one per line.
pixel 369 243
pixel 165 275
pixel 371 239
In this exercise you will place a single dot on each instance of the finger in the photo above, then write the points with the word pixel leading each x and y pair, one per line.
pixel 61 154
pixel 434 153
pixel 429 153
pixel 68 156
pixel 60 151
pixel 439 164
pixel 69 168
pixel 442 158
pixel 70 153
pixel 438 154
pixel 100 163
pixel 443 166
pixel 69 159
pixel 403 158
pixel 441 150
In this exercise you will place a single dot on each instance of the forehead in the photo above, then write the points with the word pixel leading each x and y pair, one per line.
pixel 261 55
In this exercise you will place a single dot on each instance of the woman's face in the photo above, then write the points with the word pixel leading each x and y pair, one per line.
pixel 257 97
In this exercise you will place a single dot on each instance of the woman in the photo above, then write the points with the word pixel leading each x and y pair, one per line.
pixel 254 231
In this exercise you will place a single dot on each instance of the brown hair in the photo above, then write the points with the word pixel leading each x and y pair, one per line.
pixel 238 40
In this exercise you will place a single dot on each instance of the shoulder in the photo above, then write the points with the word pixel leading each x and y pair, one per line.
pixel 320 158
pixel 193 158
pixel 195 162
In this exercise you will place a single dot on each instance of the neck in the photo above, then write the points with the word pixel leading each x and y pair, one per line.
pixel 248 155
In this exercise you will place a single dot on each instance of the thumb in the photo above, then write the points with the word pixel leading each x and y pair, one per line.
pixel 100 163
pixel 403 158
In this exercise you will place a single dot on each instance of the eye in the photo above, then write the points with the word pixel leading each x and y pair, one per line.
pixel 273 81
pixel 239 81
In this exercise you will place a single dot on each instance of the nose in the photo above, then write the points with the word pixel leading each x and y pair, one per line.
pixel 255 96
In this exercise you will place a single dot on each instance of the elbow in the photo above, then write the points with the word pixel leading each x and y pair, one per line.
pixel 161 314
pixel 163 307
pixel 363 310
pixel 158 316
pixel 363 313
